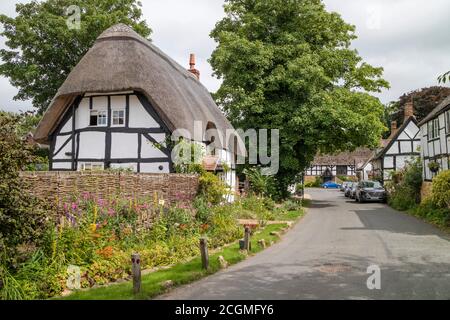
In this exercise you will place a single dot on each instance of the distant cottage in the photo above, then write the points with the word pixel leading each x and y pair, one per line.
pixel 435 136
pixel 343 165
pixel 121 102
pixel 403 145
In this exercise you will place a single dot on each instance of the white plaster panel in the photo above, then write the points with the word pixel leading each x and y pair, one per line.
pixel 124 145
pixel 388 162
pixel 62 165
pixel 393 149
pixel 139 117
pixel 154 167
pixel 82 114
pixel 92 145
pixel 60 140
pixel 68 126
pixel 437 146
pixel 405 147
pixel 412 129
pixel 416 146
pixel 118 102
pixel 148 150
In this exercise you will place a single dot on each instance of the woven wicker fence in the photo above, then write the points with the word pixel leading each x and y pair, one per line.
pixel 56 186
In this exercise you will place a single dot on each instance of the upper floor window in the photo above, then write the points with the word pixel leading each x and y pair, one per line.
pixel 98 118
pixel 433 129
pixel 118 117
pixel 447 119
pixel 341 170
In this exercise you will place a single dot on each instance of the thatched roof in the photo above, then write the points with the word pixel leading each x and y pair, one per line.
pixel 122 60
pixel 357 157
pixel 436 111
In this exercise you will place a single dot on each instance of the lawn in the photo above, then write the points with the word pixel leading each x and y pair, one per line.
pixel 183 273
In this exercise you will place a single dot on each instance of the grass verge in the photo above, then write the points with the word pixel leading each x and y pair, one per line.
pixel 183 273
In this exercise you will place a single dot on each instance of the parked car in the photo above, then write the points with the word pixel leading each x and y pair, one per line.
pixel 331 185
pixel 353 190
pixel 370 191
pixel 344 185
pixel 348 189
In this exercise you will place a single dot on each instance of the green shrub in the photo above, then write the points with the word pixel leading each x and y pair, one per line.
pixel 22 216
pixel 292 205
pixel 314 184
pixel 212 189
pixel 260 184
pixel 441 189
pixel 404 187
pixel 429 211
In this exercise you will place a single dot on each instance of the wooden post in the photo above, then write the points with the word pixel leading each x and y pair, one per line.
pixel 204 252
pixel 136 271
pixel 247 239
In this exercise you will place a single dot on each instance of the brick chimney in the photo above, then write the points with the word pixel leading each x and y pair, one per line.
pixel 409 110
pixel 192 66
pixel 394 129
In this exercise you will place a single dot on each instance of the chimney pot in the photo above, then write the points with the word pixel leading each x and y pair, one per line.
pixel 394 125
pixel 409 110
pixel 192 66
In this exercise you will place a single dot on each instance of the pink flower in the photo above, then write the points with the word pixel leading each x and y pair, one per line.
pixel 101 202
pixel 74 206
pixel 111 212
pixel 86 195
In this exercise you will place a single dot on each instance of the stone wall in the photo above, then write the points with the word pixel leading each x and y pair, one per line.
pixel 60 186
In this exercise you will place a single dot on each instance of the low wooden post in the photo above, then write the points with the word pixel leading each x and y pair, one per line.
pixel 247 239
pixel 136 272
pixel 204 252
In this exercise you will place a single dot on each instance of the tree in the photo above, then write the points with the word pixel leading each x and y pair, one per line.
pixel 22 217
pixel 43 49
pixel 288 65
pixel 425 100
pixel 444 78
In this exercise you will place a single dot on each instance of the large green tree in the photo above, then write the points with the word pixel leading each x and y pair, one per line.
pixel 288 65
pixel 43 49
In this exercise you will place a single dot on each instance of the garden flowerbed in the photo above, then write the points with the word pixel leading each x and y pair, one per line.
pixel 98 236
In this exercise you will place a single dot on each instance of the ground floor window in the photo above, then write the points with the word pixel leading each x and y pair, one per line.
pixel 92 166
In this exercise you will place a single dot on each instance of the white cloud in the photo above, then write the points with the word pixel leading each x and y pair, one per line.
pixel 409 38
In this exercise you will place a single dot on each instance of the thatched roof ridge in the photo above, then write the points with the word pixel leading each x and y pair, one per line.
pixel 122 60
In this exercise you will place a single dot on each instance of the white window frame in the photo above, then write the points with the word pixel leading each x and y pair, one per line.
pixel 92 166
pixel 101 114
pixel 433 129
pixel 447 122
pixel 113 117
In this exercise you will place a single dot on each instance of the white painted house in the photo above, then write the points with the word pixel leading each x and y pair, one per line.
pixel 435 137
pixel 403 145
pixel 122 101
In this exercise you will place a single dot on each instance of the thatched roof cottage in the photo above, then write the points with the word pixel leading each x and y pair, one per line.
pixel 122 101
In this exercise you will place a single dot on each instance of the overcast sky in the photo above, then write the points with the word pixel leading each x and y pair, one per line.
pixel 409 38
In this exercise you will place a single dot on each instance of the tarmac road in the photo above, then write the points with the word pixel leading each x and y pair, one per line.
pixel 326 256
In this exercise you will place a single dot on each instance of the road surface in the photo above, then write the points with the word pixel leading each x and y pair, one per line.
pixel 327 254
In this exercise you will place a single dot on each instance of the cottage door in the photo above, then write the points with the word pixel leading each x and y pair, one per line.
pixel 327 175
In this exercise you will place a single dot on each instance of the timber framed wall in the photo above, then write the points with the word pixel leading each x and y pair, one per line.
pixel 56 186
